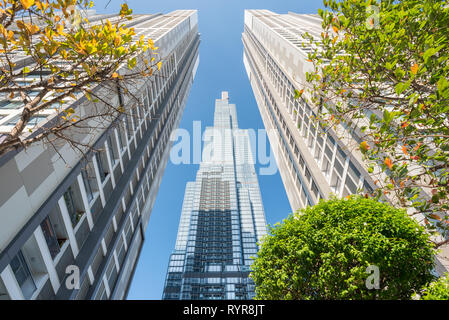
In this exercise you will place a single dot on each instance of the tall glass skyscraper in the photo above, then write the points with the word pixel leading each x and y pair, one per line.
pixel 61 210
pixel 222 219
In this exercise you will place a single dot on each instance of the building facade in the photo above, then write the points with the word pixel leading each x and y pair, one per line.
pixel 313 163
pixel 222 219
pixel 72 226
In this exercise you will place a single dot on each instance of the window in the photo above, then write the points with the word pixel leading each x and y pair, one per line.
pixel 50 237
pixel 102 165
pixel 31 123
pixel 87 183
pixel 120 138
pixel 23 275
pixel 69 200
pixel 129 127
pixel 112 150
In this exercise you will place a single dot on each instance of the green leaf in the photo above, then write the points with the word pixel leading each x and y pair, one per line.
pixel 298 93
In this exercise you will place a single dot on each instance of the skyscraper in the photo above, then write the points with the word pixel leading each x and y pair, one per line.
pixel 222 217
pixel 313 163
pixel 89 214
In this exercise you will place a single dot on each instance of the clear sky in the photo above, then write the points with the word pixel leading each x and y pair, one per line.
pixel 220 69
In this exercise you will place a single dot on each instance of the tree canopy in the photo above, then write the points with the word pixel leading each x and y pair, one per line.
pixel 51 55
pixel 436 290
pixel 381 71
pixel 329 251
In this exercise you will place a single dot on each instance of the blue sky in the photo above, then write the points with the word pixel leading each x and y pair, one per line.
pixel 220 69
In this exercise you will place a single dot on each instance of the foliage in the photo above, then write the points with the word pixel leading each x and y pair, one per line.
pixel 323 252
pixel 67 56
pixel 437 290
pixel 385 77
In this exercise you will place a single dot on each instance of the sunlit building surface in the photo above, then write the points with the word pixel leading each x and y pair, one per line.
pixel 222 219
pixel 314 163
pixel 64 215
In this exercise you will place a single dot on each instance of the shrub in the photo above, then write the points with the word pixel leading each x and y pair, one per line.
pixel 437 290
pixel 323 252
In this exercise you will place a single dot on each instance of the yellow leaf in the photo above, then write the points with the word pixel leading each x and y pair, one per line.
pixel 26 3
pixel 364 146
pixel 434 216
pixel 389 163
pixel 20 24
pixel 115 75
pixel 159 64
pixel 150 43
pixel 404 149
pixel 70 111
pixel 117 41
pixel 60 28
pixel 33 29
pixel 414 68
pixel 335 29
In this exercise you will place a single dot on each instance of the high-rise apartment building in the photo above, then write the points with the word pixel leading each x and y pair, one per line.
pixel 63 215
pixel 222 219
pixel 313 163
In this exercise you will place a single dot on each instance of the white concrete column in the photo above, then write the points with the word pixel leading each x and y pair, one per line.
pixel 334 155
pixel 131 187
pixel 90 274
pixel 343 178
pixel 110 165
pixel 137 204
pixel 83 192
pixel 99 183
pixel 103 246
pixel 114 223
pixel 323 151
pixel 11 285
pixel 106 286
pixel 68 226
pixel 124 240
pixel 117 265
pixel 48 260
pixel 120 150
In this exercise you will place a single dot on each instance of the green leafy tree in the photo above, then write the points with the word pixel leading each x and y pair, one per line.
pixel 323 252
pixel 51 54
pixel 437 290
pixel 380 70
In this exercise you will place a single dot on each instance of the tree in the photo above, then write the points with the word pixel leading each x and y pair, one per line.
pixel 437 290
pixel 51 55
pixel 325 252
pixel 380 69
